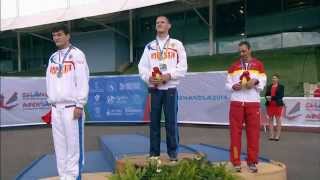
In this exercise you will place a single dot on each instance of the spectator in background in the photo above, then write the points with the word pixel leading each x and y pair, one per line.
pixel 274 103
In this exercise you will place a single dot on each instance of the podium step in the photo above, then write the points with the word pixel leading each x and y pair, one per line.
pixel 116 147
pixel 266 171
pixel 87 176
pixel 45 166
pixel 218 154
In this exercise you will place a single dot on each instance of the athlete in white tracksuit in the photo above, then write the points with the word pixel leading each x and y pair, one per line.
pixel 67 80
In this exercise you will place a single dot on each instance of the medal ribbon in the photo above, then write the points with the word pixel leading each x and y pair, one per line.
pixel 165 46
pixel 64 58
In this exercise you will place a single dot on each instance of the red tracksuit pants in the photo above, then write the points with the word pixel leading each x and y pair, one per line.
pixel 247 113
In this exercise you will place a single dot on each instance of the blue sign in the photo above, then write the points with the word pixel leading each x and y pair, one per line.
pixel 117 99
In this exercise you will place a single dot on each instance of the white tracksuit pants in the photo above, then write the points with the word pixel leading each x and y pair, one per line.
pixel 68 142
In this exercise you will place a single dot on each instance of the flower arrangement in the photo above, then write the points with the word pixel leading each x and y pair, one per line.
pixel 186 169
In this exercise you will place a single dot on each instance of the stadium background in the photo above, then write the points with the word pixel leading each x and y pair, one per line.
pixel 284 34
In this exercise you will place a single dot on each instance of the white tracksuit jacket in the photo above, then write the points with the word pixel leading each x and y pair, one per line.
pixel 73 86
pixel 174 56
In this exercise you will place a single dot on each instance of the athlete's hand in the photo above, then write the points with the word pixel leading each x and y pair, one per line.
pixel 165 77
pixel 236 87
pixel 155 81
pixel 250 84
pixel 77 113
pixel 268 98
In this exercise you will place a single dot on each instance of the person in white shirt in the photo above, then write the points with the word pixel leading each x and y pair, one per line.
pixel 162 64
pixel 67 80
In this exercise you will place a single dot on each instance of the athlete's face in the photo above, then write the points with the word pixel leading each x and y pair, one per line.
pixel 162 25
pixel 61 39
pixel 245 52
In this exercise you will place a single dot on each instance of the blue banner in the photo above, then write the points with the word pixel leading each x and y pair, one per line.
pixel 117 99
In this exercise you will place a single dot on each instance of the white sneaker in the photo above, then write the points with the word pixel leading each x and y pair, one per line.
pixel 253 168
pixel 154 158
pixel 70 178
pixel 237 168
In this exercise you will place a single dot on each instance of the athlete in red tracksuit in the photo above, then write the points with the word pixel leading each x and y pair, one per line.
pixel 246 79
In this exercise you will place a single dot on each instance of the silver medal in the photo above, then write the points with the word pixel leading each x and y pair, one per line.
pixel 59 74
pixel 163 67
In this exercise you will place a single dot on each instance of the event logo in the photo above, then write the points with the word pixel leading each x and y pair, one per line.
pixel 204 98
pixel 110 99
pixel 34 95
pixel 292 114
pixel 95 87
pixel 312 106
pixel 35 105
pixel 313 111
pixel 111 87
pixel 97 111
pixel 129 86
pixel 117 100
pixel 114 112
pixel 10 102
pixel 97 97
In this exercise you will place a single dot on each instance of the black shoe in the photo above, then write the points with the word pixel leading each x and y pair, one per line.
pixel 173 159
pixel 276 139
pixel 253 168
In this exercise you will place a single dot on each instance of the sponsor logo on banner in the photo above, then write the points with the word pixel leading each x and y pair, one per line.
pixel 313 106
pixel 293 113
pixel 110 99
pixel 97 98
pixel 312 111
pixel 119 100
pixel 132 111
pixel 10 103
pixel 111 87
pixel 129 86
pixel 34 100
pixel 35 105
pixel 34 95
pixel 97 112
pixel 113 99
pixel 114 112
pixel 96 88
pixel 204 98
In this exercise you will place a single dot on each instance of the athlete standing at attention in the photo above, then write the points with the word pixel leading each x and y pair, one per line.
pixel 67 80
pixel 162 65
pixel 246 79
